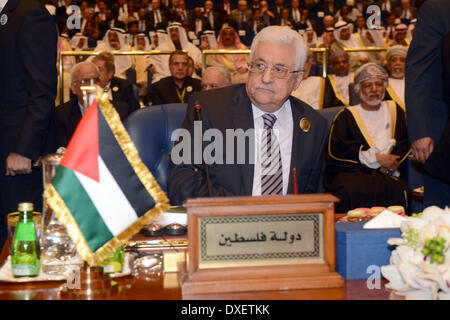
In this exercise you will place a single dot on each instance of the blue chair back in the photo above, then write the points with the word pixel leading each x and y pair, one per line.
pixel 150 129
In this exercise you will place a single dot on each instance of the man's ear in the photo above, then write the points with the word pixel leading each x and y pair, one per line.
pixel 298 79
pixel 72 88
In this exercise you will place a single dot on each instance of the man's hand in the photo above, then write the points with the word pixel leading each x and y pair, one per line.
pixel 422 148
pixel 388 161
pixel 17 164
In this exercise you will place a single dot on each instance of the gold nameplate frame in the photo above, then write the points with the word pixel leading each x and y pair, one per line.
pixel 240 244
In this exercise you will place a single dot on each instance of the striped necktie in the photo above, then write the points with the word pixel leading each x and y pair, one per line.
pixel 271 169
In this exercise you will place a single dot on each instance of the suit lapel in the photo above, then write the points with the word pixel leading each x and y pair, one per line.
pixel 7 11
pixel 298 146
pixel 242 117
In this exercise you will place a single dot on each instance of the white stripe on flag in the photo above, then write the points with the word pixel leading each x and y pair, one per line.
pixel 112 205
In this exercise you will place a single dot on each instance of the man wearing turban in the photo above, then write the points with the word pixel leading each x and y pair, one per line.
pixel 367 144
pixel 395 63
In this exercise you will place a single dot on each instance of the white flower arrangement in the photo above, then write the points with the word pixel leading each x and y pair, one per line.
pixel 420 264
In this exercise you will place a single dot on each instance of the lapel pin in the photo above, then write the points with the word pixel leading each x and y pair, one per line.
pixel 305 124
pixel 115 89
pixel 189 89
pixel 3 19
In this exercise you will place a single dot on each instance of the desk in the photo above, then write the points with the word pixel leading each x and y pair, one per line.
pixel 167 287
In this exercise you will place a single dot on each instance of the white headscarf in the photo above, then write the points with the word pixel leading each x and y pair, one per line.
pixel 147 42
pixel 313 42
pixel 122 63
pixel 182 32
pixel 377 36
pixel 211 38
pixel 75 41
pixel 352 42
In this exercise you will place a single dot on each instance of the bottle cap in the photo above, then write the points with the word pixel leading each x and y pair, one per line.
pixel 26 206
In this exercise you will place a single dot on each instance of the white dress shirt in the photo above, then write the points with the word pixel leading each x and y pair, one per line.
pixel 283 131
pixel 3 4
pixel 378 124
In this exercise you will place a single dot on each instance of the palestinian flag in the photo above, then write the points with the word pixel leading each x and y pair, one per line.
pixel 102 192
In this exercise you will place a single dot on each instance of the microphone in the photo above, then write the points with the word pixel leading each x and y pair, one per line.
pixel 198 117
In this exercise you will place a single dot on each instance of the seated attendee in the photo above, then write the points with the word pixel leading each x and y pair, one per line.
pixel 208 40
pixel 337 85
pixel 395 63
pixel 241 17
pixel 179 86
pixel 345 38
pixel 258 23
pixel 118 89
pixel 79 42
pixel 177 40
pixel 310 37
pixel 212 15
pixel 199 22
pixel 311 89
pixel 214 78
pixel 133 30
pixel 367 144
pixel 374 38
pixel 235 63
pixel 110 22
pixel 267 16
pixel 142 44
pixel 285 20
pixel 277 58
pixel 157 16
pixel 116 40
pixel 69 114
pixel 400 33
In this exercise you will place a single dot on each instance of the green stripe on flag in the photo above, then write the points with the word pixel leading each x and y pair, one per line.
pixel 82 209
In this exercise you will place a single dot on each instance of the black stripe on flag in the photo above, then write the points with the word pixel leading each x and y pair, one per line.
pixel 121 169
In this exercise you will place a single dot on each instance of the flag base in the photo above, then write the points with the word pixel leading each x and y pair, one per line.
pixel 90 285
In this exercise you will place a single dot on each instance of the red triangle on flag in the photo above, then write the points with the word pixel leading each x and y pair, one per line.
pixel 82 152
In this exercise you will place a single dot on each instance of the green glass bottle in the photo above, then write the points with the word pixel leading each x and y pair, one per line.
pixel 114 262
pixel 25 249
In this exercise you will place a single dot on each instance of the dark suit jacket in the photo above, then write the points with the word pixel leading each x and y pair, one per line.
pixel 426 109
pixel 162 24
pixel 28 80
pixel 164 91
pixel 230 108
pixel 122 91
pixel 438 164
pixel 105 26
pixel 69 115
pixel 205 24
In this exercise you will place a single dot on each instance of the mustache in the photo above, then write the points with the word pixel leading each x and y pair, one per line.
pixel 265 87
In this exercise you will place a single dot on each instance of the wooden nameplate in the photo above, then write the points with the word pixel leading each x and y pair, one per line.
pixel 239 244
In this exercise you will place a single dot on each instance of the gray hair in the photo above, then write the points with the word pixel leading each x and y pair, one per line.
pixel 78 66
pixel 286 36
pixel 226 74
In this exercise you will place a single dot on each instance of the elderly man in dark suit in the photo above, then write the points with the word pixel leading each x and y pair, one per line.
pixel 425 97
pixel 279 132
pixel 118 89
pixel 28 81
pixel 69 114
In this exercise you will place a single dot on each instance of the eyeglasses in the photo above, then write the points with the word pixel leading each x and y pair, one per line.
pixel 89 81
pixel 280 72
